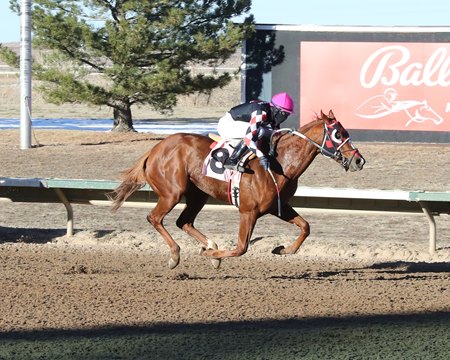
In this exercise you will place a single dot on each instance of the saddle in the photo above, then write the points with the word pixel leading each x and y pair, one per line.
pixel 220 151
pixel 213 166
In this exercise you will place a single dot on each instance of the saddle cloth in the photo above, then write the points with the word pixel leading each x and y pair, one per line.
pixel 213 167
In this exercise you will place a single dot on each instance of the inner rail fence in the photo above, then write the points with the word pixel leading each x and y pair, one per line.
pixel 344 200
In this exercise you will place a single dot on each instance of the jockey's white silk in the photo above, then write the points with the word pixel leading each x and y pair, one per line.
pixel 228 128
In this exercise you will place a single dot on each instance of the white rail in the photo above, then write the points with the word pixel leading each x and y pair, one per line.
pixel 366 201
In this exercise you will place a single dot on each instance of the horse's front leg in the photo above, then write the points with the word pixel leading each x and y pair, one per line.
pixel 246 225
pixel 290 215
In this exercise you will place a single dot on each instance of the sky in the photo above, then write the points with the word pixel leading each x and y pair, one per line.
pixel 310 12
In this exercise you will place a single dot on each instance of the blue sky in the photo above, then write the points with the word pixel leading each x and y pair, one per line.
pixel 311 12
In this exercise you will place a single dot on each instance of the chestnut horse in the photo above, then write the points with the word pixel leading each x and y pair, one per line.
pixel 173 168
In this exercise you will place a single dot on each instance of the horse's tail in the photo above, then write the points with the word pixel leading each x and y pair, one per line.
pixel 132 180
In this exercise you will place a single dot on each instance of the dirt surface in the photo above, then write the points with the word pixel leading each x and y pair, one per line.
pixel 361 286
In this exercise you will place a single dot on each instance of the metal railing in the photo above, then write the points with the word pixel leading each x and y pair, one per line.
pixel 362 201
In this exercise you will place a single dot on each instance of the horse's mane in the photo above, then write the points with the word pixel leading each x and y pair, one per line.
pixel 302 129
pixel 278 135
pixel 311 124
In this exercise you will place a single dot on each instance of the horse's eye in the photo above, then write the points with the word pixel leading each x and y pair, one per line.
pixel 336 136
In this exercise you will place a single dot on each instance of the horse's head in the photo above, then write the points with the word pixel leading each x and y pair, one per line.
pixel 336 144
pixel 424 112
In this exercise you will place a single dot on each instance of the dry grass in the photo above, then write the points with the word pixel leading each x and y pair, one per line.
pixel 211 105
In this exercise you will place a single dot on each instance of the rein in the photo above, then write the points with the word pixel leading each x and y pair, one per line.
pixel 278 191
pixel 322 149
pixel 336 155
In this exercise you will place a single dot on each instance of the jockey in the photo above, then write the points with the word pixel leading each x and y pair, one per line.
pixel 254 121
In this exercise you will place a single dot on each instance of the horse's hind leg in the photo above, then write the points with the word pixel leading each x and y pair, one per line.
pixel 156 217
pixel 246 226
pixel 195 200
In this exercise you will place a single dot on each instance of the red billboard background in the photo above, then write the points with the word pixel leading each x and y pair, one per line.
pixel 374 85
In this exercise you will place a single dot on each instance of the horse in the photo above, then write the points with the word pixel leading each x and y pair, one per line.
pixel 380 106
pixel 422 113
pixel 173 169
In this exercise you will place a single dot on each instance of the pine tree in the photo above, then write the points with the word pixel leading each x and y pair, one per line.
pixel 141 48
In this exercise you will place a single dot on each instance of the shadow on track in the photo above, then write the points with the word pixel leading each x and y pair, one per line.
pixel 397 336
pixel 29 235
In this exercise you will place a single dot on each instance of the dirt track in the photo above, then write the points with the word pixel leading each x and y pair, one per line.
pixel 361 287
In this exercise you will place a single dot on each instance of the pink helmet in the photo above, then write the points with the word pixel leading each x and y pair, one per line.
pixel 284 102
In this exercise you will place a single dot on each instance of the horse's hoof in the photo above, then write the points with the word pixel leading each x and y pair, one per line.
pixel 173 264
pixel 216 263
pixel 212 245
pixel 279 250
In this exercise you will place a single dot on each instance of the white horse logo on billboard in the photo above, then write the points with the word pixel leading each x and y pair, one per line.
pixel 379 106
pixel 390 66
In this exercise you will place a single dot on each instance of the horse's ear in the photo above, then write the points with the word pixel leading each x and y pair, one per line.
pixel 331 115
pixel 322 115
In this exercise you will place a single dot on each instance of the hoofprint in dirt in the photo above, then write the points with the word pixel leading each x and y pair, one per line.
pixel 372 238
pixel 89 285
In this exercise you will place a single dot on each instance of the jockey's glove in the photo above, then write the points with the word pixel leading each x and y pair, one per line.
pixel 264 162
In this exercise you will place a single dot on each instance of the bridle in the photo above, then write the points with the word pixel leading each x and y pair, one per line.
pixel 331 146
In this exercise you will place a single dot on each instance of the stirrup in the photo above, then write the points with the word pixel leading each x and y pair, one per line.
pixel 234 167
pixel 230 165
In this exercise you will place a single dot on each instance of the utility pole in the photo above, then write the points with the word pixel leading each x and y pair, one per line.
pixel 25 74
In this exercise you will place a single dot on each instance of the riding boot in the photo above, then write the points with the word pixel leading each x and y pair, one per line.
pixel 232 161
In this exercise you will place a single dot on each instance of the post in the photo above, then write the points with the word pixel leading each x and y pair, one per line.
pixel 432 226
pixel 69 209
pixel 25 74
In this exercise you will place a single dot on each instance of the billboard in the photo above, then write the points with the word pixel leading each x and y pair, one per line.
pixel 376 85
pixel 384 83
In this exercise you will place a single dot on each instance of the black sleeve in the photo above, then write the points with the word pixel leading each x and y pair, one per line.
pixel 243 112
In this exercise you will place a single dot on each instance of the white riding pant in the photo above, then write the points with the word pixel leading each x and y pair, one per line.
pixel 228 128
